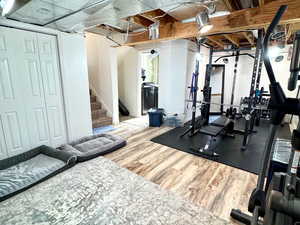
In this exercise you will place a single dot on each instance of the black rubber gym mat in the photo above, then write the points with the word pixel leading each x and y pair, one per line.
pixel 229 149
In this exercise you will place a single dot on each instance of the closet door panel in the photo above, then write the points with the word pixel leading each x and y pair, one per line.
pixel 6 87
pixel 33 88
pixel 12 111
pixel 3 150
pixel 52 87
pixel 13 127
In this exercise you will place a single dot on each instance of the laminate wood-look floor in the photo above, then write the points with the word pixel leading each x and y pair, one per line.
pixel 212 185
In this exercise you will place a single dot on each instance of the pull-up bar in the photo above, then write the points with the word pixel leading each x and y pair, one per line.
pixel 233 55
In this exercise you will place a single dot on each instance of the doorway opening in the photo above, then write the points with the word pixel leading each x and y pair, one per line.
pixel 149 75
pixel 217 80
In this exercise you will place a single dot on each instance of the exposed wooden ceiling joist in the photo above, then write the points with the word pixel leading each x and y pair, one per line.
pixel 232 5
pixel 228 5
pixel 216 40
pixel 160 15
pixel 289 31
pixel 246 19
pixel 233 39
pixel 110 28
pixel 261 3
pixel 212 44
pixel 139 20
pixel 249 36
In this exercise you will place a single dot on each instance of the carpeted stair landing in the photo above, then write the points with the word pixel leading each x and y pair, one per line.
pixel 99 117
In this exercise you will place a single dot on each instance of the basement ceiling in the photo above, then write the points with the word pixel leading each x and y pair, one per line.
pixel 78 15
pixel 112 17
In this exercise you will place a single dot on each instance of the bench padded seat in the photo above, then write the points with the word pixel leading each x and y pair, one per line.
pixel 87 148
pixel 211 130
pixel 222 121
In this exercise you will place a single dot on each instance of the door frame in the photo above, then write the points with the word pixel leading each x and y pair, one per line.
pixel 139 91
pixel 222 89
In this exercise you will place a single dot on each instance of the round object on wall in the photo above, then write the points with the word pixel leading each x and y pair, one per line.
pixel 279 58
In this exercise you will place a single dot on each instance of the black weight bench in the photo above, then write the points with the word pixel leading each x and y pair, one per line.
pixel 222 121
pixel 211 130
pixel 222 127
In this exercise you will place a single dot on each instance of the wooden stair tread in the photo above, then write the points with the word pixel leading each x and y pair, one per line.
pixel 99 117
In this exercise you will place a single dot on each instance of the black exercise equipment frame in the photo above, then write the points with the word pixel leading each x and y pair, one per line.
pixel 280 205
pixel 203 120
pixel 201 124
pixel 251 113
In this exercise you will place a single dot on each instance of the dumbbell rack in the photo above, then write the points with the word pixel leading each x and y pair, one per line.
pixel 262 106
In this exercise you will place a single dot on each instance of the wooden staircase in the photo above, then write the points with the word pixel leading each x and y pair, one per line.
pixel 99 117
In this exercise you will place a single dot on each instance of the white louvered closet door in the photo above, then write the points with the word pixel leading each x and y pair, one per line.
pixel 36 108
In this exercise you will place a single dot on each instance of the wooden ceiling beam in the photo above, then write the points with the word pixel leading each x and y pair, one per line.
pixel 216 40
pixel 246 19
pixel 289 32
pixel 210 43
pixel 233 39
pixel 110 28
pixel 250 38
pixel 158 15
pixel 139 20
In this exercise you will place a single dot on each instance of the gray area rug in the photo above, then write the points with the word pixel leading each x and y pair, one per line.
pixel 101 192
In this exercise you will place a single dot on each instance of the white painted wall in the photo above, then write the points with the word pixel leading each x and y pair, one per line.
pixel 102 70
pixel 74 78
pixel 129 79
pixel 75 85
pixel 173 57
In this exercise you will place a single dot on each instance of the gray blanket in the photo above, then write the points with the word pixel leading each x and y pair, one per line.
pixel 101 192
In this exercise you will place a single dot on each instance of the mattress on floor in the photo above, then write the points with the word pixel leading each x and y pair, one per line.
pixel 89 147
pixel 21 172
